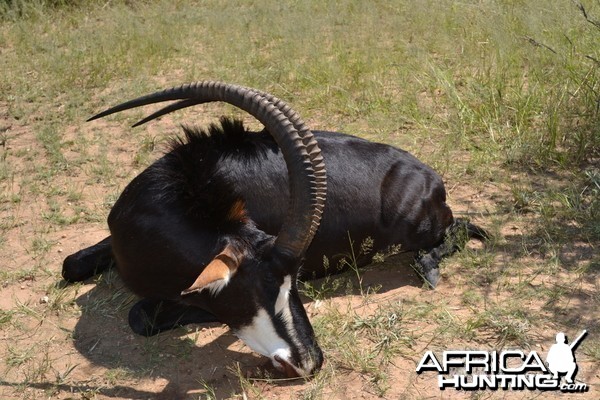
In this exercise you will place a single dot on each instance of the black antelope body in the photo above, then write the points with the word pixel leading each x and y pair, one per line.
pixel 218 228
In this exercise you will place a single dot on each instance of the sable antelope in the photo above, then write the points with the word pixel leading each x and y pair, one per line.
pixel 202 217
pixel 180 234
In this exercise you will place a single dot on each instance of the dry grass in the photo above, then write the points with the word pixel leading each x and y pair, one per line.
pixel 501 97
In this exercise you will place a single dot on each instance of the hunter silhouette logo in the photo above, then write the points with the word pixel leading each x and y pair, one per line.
pixel 561 357
pixel 508 369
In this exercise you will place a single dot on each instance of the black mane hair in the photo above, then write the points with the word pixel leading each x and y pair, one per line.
pixel 189 172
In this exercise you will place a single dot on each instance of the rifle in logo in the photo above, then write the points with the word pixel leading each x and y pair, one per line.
pixel 576 342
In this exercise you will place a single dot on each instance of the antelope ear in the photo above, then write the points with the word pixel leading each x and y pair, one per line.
pixel 217 272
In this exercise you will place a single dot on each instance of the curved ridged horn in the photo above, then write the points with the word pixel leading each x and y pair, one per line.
pixel 315 156
pixel 307 177
pixel 309 141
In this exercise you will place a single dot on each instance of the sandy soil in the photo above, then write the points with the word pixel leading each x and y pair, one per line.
pixel 74 342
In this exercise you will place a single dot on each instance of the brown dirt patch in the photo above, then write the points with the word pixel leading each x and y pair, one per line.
pixel 74 342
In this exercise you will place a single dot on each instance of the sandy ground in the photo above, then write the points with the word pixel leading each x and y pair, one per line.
pixel 74 342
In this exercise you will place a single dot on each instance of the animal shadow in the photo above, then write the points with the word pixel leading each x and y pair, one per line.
pixel 183 361
pixel 188 359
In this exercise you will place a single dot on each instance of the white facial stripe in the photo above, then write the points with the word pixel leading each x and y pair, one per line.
pixel 262 337
pixel 282 303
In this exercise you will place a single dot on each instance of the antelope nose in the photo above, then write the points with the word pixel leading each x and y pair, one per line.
pixel 287 368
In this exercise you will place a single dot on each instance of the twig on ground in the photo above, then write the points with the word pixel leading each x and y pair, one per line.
pixel 538 44
pixel 594 22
